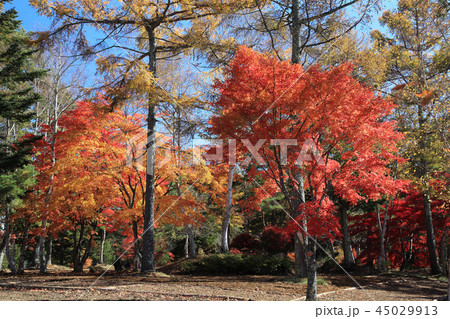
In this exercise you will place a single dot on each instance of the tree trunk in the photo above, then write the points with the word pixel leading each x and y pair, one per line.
pixel 10 256
pixel 300 256
pixel 36 256
pixel 148 236
pixel 23 248
pixel 13 253
pixel 189 247
pixel 186 247
pixel 62 247
pixel 2 251
pixel 407 254
pixel 49 247
pixel 311 287
pixel 296 26
pixel 76 248
pixel 332 253
pixel 77 266
pixel 11 261
pixel 300 239
pixel 137 253
pixel 102 247
pixel 190 236
pixel 431 243
pixel 443 252
pixel 382 260
pixel 448 282
pixel 42 260
pixel 189 244
pixel 227 215
pixel 358 252
pixel 301 260
pixel 349 259
pixel 77 259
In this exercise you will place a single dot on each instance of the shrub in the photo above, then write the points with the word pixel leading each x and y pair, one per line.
pixel 162 259
pixel 88 263
pixel 235 251
pixel 229 264
pixel 275 240
pixel 245 243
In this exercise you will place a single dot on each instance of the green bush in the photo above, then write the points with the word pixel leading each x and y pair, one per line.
pixel 228 264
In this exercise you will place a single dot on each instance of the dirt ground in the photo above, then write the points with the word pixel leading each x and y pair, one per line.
pixel 64 285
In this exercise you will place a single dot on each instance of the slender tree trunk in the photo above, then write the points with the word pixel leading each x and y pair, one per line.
pixel 300 239
pixel 296 26
pixel 77 259
pixel 358 252
pixel 431 243
pixel 148 245
pixel 75 249
pixel 77 266
pixel 137 253
pixel 10 256
pixel 87 252
pixel 2 251
pixel 189 247
pixel 300 255
pixel 11 261
pixel 41 251
pixel 42 260
pixel 23 248
pixel 382 260
pixel 62 247
pixel 311 286
pixel 13 253
pixel 102 246
pixel 349 259
pixel 186 247
pixel 332 253
pixel 191 243
pixel 443 252
pixel 407 255
pixel 448 282
pixel 36 256
pixel 227 215
pixel 49 247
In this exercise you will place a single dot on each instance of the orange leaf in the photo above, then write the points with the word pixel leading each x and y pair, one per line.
pixel 399 87
pixel 427 96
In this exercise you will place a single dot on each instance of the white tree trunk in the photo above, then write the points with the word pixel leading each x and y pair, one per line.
pixel 382 260
pixel 300 241
pixel 102 247
pixel 2 252
pixel 227 216
pixel 191 249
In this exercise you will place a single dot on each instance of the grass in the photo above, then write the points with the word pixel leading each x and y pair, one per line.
pixel 320 280
pixel 420 275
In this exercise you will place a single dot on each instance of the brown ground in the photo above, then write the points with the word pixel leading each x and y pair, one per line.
pixel 63 285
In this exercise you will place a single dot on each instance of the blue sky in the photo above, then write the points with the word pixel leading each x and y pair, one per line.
pixel 31 20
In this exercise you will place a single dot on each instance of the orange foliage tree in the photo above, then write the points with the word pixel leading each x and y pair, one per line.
pixel 321 125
